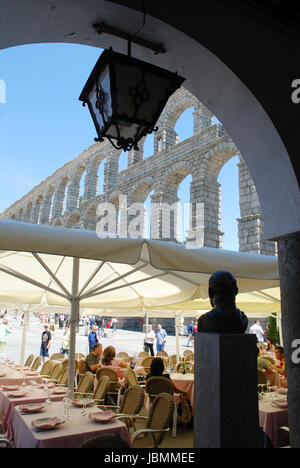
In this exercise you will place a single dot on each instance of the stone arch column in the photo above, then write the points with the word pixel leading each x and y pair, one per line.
pixel 91 179
pixel 27 214
pixel 165 213
pixel 135 156
pixel 46 207
pixel 250 223
pixel 58 201
pixel 111 170
pixel 74 190
pixel 202 118
pixel 205 215
pixel 35 214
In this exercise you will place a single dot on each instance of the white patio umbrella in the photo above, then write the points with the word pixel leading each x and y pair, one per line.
pixel 77 268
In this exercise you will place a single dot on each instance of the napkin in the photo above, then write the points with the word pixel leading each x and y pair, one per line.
pixel 17 394
pixel 10 387
pixel 34 408
pixel 59 390
pixel 47 423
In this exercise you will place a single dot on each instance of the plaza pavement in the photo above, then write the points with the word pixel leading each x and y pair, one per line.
pixel 122 340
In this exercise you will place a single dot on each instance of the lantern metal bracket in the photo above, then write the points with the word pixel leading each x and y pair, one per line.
pixel 102 28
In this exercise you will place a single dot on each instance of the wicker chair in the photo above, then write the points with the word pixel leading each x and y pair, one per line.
pixel 172 360
pixel 187 353
pixel 114 387
pixel 101 390
pixel 162 354
pixel 155 386
pixel 5 443
pixel 81 367
pixel 131 378
pixel 63 379
pixel 189 367
pixel 147 363
pixel 157 423
pixel 55 373
pixel 189 358
pixel 57 357
pixel 46 369
pixel 79 356
pixel 36 363
pixel 143 354
pixel 123 355
pixel 65 363
pixel 85 385
pixel 29 360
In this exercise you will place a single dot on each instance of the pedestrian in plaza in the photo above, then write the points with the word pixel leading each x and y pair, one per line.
pixel 161 338
pixel 149 341
pixel 61 321
pixel 257 330
pixel 93 338
pixel 4 331
pixel 190 330
pixel 65 344
pixel 45 344
pixel 114 324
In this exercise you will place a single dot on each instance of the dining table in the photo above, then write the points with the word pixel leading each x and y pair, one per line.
pixel 11 396
pixel 185 383
pixel 11 374
pixel 72 433
pixel 273 414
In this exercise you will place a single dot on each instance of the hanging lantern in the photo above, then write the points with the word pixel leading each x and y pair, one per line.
pixel 126 96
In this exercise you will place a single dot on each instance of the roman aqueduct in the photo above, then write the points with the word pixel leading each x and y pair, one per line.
pixel 57 200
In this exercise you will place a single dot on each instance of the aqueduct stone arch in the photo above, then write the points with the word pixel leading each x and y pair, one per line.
pixel 57 200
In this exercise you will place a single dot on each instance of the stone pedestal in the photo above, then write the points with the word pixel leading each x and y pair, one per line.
pixel 226 402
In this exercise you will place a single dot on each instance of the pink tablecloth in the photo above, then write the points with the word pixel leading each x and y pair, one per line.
pixel 16 377
pixel 271 419
pixel 35 395
pixel 185 382
pixel 71 434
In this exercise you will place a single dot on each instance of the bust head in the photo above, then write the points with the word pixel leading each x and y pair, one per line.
pixel 222 288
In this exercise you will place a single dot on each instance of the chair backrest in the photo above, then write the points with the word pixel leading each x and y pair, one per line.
pixel 133 400
pixel 157 385
pixel 29 360
pixel 79 356
pixel 47 368
pixel 85 383
pixel 82 366
pixel 56 371
pixel 147 363
pixel 102 388
pixel 111 373
pixel 187 352
pixel 143 354
pixel 189 358
pixel 65 363
pixel 36 363
pixel 162 353
pixel 189 367
pixel 160 416
pixel 63 379
pixel 57 356
pixel 130 377
pixel 123 355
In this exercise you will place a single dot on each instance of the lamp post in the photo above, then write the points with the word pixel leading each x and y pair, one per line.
pixel 126 96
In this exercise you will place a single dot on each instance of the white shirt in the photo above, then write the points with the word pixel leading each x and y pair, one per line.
pixel 258 331
pixel 150 337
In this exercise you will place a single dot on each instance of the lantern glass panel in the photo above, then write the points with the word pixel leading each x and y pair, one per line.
pixel 104 101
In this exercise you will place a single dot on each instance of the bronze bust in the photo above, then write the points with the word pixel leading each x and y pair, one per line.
pixel 224 317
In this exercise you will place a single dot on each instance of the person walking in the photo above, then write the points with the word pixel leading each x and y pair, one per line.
pixel 4 331
pixel 93 338
pixel 149 341
pixel 257 330
pixel 65 344
pixel 190 329
pixel 45 344
pixel 161 338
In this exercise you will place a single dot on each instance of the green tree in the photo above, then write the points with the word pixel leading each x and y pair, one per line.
pixel 273 331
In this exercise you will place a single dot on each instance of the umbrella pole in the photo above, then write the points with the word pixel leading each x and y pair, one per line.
pixel 73 325
pixel 25 328
pixel 177 337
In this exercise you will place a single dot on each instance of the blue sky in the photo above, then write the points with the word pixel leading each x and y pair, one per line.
pixel 43 125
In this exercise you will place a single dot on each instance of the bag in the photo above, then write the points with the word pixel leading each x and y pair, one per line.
pixel 184 410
